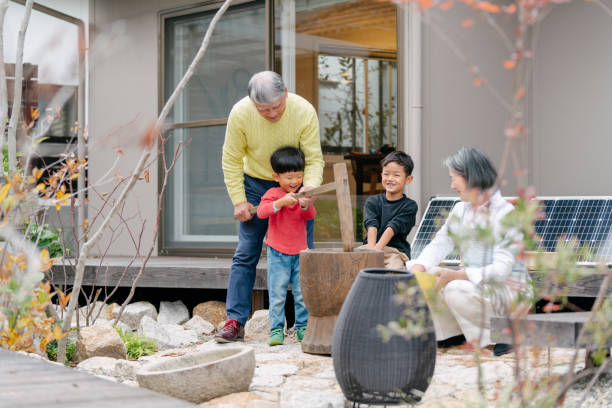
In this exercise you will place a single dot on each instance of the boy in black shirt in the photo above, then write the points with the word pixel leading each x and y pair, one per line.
pixel 389 217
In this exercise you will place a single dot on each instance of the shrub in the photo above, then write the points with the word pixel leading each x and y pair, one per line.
pixel 137 346
pixel 70 351
pixel 46 238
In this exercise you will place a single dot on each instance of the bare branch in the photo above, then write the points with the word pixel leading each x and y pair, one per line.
pixel 567 380
pixel 16 111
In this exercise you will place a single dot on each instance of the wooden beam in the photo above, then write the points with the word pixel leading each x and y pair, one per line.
pixel 345 211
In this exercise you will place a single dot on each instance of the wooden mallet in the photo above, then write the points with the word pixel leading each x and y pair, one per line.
pixel 343 196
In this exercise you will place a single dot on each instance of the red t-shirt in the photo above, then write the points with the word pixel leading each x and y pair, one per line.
pixel 287 227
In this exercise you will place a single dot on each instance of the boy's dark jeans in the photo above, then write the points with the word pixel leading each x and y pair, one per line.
pixel 250 239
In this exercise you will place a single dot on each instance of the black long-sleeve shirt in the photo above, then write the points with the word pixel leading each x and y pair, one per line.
pixel 400 215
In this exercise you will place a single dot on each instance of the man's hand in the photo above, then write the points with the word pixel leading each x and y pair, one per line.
pixel 287 200
pixel 241 211
pixel 306 201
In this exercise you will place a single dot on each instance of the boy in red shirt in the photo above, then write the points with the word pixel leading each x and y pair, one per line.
pixel 286 238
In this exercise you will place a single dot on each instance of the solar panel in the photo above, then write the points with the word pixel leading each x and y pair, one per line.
pixel 588 219
pixel 436 212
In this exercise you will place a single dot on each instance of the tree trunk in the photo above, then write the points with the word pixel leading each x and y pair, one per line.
pixel 3 90
pixel 16 112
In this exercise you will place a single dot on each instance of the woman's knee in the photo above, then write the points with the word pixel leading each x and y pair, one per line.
pixel 457 292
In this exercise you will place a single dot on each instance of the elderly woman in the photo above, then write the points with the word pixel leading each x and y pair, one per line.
pixel 490 278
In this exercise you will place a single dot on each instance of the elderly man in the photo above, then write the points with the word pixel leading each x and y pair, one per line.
pixel 268 118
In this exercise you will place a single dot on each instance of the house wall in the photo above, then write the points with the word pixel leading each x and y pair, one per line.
pixel 567 149
pixel 572 102
pixel 455 111
pixel 124 101
pixel 570 90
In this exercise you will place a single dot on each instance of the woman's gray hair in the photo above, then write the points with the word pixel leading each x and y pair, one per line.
pixel 265 87
pixel 474 166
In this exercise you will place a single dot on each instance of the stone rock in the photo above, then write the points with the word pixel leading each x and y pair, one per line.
pixel 220 326
pixel 166 335
pixel 272 375
pixel 311 398
pixel 112 367
pixel 120 324
pixel 172 313
pixel 134 312
pixel 199 377
pixel 212 311
pixel 200 326
pixel 258 326
pixel 238 399
pixel 102 341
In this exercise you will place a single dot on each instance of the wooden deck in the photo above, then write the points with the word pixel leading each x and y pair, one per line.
pixel 29 382
pixel 160 272
pixel 212 273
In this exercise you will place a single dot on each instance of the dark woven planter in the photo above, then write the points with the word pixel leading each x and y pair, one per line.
pixel 369 370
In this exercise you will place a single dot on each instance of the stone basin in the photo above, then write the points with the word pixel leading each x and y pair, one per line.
pixel 201 376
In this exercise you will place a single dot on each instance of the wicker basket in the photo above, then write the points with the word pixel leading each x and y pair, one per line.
pixel 369 370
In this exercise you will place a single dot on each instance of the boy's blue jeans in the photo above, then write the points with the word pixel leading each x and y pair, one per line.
pixel 282 270
pixel 250 239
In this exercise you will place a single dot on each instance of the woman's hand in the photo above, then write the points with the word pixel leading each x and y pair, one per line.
pixel 446 275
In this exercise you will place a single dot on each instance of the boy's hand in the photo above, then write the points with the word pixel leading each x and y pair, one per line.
pixel 306 202
pixel 241 211
pixel 289 199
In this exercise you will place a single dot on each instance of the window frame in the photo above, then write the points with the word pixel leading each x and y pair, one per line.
pixel 162 248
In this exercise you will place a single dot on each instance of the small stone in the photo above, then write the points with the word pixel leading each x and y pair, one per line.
pixel 173 313
pixel 103 322
pixel 134 312
pixel 212 311
pixel 102 341
pixel 166 335
pixel 200 326
pixel 258 326
pixel 112 367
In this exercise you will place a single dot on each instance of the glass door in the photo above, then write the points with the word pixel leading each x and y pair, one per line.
pixel 198 212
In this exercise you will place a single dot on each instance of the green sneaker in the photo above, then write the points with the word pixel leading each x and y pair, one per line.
pixel 277 337
pixel 301 331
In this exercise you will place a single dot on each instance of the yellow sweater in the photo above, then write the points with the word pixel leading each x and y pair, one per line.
pixel 250 140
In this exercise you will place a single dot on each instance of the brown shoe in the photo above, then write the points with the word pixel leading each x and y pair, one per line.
pixel 232 331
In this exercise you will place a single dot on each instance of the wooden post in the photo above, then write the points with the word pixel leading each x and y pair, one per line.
pixel 345 212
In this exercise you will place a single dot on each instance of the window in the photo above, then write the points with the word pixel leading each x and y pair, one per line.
pixel 341 56
pixel 198 212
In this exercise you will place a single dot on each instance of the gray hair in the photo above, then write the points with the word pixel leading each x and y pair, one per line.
pixel 265 87
pixel 474 166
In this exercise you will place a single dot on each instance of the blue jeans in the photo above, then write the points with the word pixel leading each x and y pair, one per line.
pixel 250 239
pixel 282 270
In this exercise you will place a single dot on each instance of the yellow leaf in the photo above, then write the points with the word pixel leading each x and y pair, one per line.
pixel 4 192
pixel 22 261
pixel 146 175
pixel 74 176
pixel 57 332
pixel 58 206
